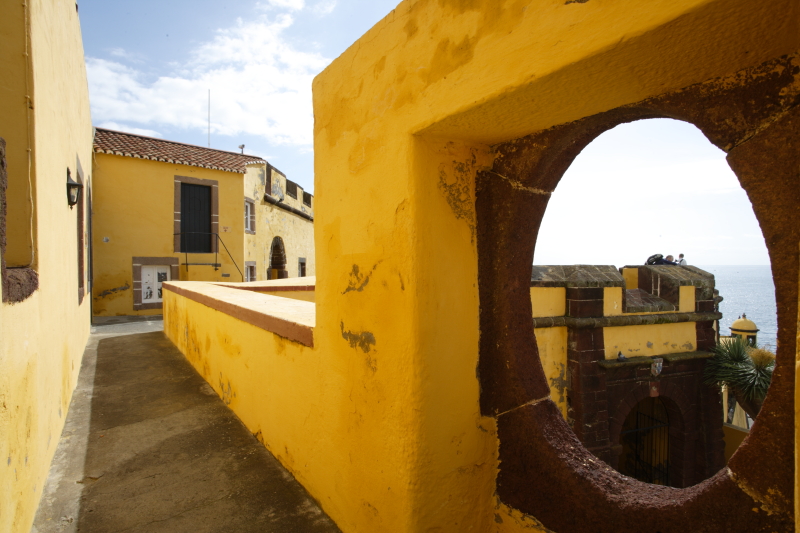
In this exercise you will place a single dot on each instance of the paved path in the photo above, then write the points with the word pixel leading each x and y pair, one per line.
pixel 149 447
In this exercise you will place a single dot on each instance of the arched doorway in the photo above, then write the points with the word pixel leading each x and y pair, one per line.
pixel 644 440
pixel 277 260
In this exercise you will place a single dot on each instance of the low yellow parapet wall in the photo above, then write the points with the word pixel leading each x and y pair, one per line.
pixel 256 351
pixel 296 288
pixel 284 317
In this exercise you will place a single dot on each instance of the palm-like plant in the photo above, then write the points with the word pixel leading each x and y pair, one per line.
pixel 745 370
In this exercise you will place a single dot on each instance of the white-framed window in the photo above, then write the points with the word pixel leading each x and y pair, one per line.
pixel 250 271
pixel 152 278
pixel 249 216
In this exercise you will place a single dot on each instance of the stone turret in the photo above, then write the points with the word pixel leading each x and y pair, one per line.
pixel 745 328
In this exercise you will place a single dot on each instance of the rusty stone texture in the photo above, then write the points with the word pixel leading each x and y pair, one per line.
pixel 3 205
pixel 536 452
pixel 507 247
pixel 754 116
pixel 768 167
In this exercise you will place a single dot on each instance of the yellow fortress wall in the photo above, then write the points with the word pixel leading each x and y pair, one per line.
pixel 404 120
pixel 43 337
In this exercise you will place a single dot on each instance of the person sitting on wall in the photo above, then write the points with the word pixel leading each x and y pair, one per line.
pixel 682 260
pixel 658 259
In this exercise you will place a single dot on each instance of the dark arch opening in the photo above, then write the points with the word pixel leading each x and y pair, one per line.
pixel 644 443
pixel 277 260
pixel 539 455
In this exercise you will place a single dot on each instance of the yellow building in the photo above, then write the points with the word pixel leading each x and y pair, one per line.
pixel 409 395
pixel 45 142
pixel 280 243
pixel 167 211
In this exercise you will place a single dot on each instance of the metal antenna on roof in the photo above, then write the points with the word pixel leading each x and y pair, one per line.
pixel 241 147
pixel 209 118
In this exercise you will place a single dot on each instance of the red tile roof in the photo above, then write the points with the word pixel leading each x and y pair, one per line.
pixel 130 145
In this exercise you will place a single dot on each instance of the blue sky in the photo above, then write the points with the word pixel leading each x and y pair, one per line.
pixel 151 64
pixel 655 186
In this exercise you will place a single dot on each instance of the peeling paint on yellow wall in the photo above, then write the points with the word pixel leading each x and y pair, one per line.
pixel 635 341
pixel 510 520
pixel 398 118
pixel 772 502
pixel 552 345
pixel 42 338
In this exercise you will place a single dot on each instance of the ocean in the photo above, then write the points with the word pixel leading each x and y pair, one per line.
pixel 747 289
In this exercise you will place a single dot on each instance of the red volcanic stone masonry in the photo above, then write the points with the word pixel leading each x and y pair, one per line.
pixel 584 302
pixel 587 401
pixel 706 336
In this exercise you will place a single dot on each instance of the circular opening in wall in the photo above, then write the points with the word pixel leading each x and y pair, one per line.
pixel 627 347
pixel 539 453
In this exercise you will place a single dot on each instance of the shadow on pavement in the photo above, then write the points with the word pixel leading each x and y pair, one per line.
pixel 165 454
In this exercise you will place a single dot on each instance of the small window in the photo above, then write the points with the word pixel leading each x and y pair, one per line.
pixel 301 267
pixel 249 216
pixel 250 271
pixel 307 198
pixel 291 189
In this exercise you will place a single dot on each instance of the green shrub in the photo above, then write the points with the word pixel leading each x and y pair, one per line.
pixel 745 370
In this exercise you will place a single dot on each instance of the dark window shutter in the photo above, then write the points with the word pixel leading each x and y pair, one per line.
pixel 307 198
pixel 195 218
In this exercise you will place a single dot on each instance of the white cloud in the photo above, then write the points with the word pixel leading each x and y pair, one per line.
pixel 124 54
pixel 650 187
pixel 128 129
pixel 324 7
pixel 289 4
pixel 260 85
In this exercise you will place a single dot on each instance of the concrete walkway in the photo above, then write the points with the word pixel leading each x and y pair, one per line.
pixel 148 446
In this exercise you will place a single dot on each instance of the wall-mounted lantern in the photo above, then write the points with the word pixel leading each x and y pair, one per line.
pixel 73 190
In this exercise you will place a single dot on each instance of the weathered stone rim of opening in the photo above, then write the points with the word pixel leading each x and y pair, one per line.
pixel 754 116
